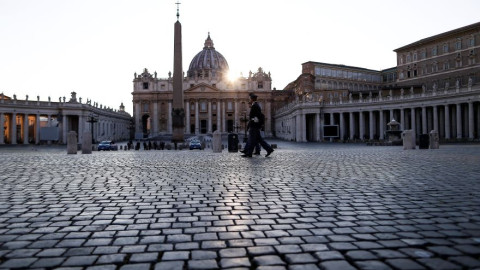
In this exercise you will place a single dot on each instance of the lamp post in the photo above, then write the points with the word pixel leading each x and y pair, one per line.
pixel 92 118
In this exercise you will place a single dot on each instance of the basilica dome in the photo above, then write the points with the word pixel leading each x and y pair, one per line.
pixel 208 63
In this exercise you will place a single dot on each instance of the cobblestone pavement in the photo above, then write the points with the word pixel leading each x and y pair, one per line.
pixel 308 206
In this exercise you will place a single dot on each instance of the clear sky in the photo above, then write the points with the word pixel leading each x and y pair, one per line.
pixel 94 47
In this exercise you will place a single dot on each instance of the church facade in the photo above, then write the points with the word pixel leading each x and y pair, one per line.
pixel 212 101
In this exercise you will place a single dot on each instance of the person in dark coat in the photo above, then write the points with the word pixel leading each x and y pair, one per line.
pixel 255 123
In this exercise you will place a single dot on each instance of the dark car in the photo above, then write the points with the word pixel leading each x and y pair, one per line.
pixel 195 144
pixel 107 146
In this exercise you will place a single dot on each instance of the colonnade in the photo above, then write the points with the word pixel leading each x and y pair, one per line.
pixel 455 117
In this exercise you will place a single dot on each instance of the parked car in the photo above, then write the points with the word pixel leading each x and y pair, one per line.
pixel 107 146
pixel 195 144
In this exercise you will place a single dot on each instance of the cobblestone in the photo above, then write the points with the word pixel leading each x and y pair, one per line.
pixel 308 206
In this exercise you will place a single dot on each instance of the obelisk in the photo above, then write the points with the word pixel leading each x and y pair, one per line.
pixel 178 113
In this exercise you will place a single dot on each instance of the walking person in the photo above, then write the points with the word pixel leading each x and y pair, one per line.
pixel 255 123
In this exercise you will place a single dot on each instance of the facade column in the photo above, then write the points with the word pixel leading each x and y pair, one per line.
pixel 447 122
pixel 391 115
pixel 370 122
pixel 209 113
pixel 362 125
pixel 352 126
pixel 169 119
pixel 235 114
pixel 197 119
pixel 424 120
pixel 138 123
pixel 219 121
pixel 342 126
pixel 187 117
pixel 414 124
pixel 435 118
pixel 471 123
pixel 458 114
pixel 2 128
pixel 224 119
pixel 25 128
pixel 155 118
pixel 381 125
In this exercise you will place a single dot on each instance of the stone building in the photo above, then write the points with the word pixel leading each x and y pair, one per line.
pixel 212 100
pixel 435 86
pixel 34 121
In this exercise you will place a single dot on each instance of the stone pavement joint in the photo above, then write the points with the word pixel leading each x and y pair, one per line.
pixel 307 206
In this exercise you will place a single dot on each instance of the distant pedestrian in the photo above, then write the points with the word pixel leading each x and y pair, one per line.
pixel 255 123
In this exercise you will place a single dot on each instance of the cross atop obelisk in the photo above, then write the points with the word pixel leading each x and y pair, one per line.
pixel 178 112
pixel 178 8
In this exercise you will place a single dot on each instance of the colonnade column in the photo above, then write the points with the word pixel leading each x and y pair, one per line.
pixel 362 125
pixel 342 126
pixel 25 128
pixel 471 124
pixel 447 122
pixel 382 125
pixel 155 118
pixel 435 118
pixel 37 129
pixel 318 127
pixel 298 128
pixel 64 129
pixel 424 120
pixel 187 117
pixel 414 124
pixel 169 119
pixel 458 114
pixel 13 129
pixel 2 129
pixel 197 119
pixel 402 118
pixel 209 113
pixel 352 126
pixel 370 122
pixel 81 125
pixel 235 121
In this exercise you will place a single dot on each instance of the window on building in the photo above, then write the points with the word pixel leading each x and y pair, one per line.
pixel 203 106
pixel 434 51
pixel 145 107
pixel 230 106
pixel 214 106
pixel 458 44
pixel 260 85
pixel 423 55
pixel 472 41
pixel 162 86
pixel 415 57
pixel 192 85
pixel 145 85
pixel 446 65
pixel 244 86
pixel 445 48
pixel 192 107
pixel 408 58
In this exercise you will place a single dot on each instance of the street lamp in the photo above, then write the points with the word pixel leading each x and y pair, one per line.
pixel 92 118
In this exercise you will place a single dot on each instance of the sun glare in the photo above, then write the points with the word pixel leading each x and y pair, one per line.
pixel 232 77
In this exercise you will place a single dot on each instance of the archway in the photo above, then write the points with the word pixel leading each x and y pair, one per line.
pixel 145 125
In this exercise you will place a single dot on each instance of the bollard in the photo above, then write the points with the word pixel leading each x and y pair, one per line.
pixel 217 142
pixel 434 140
pixel 72 142
pixel 87 143
pixel 408 140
